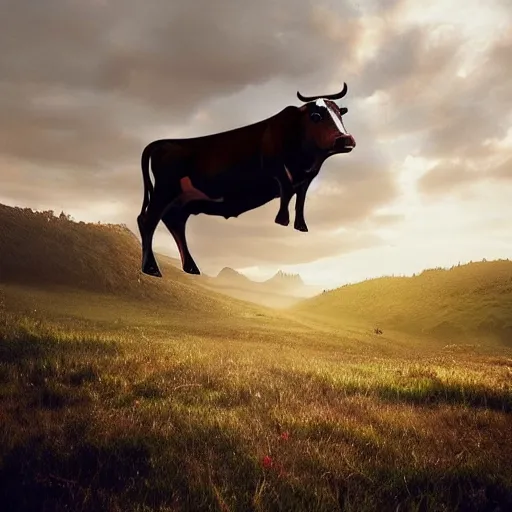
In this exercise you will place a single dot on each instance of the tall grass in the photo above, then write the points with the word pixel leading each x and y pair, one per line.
pixel 254 413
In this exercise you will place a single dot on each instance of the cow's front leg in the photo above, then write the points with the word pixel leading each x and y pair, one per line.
pixel 286 192
pixel 300 222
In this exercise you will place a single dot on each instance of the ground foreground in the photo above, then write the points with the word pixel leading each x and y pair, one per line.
pixel 105 405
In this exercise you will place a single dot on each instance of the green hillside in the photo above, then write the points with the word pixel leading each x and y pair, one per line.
pixel 473 299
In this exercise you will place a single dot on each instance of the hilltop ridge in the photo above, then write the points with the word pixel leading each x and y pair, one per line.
pixel 42 250
pixel 48 250
pixel 474 300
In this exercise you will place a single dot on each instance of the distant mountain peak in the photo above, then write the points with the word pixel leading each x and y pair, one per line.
pixel 231 274
pixel 289 278
pixel 228 271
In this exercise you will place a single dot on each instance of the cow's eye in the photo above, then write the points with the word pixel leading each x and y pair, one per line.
pixel 316 117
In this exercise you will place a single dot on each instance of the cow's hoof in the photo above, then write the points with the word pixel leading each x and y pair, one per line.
pixel 283 219
pixel 152 271
pixel 301 226
pixel 192 269
pixel 150 266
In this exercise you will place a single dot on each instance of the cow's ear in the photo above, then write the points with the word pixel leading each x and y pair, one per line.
pixel 283 133
pixel 343 110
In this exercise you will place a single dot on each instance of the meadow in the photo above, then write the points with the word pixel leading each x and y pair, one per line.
pixel 119 392
pixel 107 405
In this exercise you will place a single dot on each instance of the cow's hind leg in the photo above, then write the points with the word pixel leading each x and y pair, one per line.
pixel 149 264
pixel 148 222
pixel 175 221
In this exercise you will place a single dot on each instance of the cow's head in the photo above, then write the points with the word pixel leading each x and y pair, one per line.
pixel 322 124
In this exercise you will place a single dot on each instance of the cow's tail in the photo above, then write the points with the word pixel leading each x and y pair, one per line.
pixel 148 185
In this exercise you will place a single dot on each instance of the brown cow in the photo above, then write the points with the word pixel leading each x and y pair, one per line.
pixel 229 173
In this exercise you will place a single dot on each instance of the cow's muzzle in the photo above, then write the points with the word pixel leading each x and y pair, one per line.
pixel 345 144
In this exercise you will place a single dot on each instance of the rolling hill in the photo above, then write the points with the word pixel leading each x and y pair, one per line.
pixel 43 251
pixel 467 300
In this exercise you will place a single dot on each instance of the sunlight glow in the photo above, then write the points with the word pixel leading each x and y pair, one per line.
pixel 439 234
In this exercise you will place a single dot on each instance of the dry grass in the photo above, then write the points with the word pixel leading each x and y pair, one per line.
pixel 123 394
pixel 107 408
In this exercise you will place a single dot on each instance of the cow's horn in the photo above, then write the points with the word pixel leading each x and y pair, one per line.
pixel 336 96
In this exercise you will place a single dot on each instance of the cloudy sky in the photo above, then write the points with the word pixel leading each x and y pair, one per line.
pixel 84 86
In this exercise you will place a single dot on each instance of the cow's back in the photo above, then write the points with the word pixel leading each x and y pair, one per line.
pixel 215 153
pixel 219 153
pixel 219 164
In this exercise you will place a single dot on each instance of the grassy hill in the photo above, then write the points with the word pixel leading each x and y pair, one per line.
pixel 468 300
pixel 42 251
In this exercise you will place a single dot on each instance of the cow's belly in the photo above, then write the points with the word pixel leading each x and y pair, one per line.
pixel 248 195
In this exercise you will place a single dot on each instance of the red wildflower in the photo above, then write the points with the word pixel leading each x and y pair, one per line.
pixel 267 462
pixel 284 436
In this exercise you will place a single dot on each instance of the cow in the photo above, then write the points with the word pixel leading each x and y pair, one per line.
pixel 229 173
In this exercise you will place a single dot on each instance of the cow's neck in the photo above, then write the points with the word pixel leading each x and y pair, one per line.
pixel 301 162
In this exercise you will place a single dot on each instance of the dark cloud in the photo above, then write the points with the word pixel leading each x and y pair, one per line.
pixel 475 110
pixel 407 61
pixel 170 55
pixel 81 84
pixel 84 86
pixel 70 137
pixel 455 115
